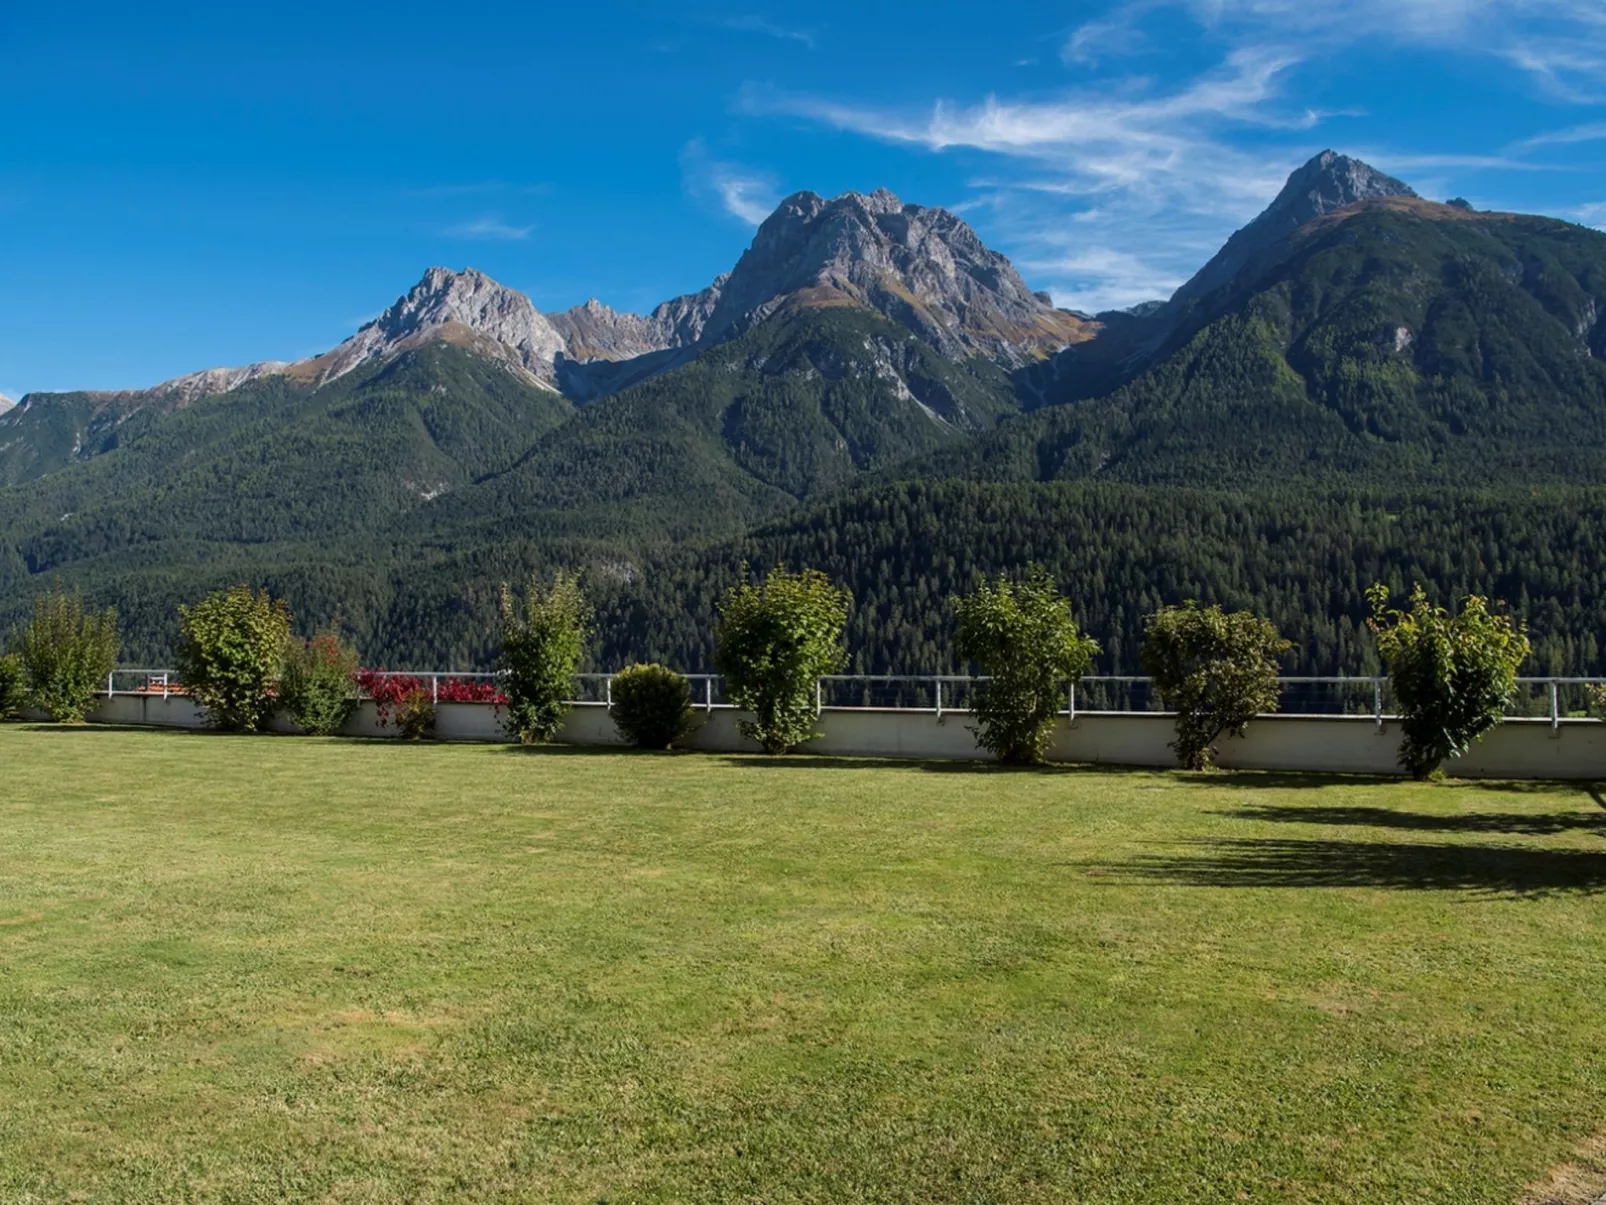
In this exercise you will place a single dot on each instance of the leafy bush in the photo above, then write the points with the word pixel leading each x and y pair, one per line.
pixel 1453 676
pixel 541 649
pixel 1026 640
pixel 415 714
pixel 13 685
pixel 230 656
pixel 1216 671
pixel 775 639
pixel 651 706
pixel 319 684
pixel 66 652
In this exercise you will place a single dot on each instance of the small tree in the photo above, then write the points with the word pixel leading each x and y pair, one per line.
pixel 775 639
pixel 66 652
pixel 1216 671
pixel 231 654
pixel 13 685
pixel 319 684
pixel 542 644
pixel 651 706
pixel 1453 676
pixel 1025 638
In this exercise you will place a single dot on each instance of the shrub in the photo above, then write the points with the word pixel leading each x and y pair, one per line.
pixel 66 652
pixel 775 639
pixel 651 706
pixel 319 684
pixel 13 686
pixel 1453 676
pixel 542 644
pixel 415 714
pixel 1216 671
pixel 230 655
pixel 1026 640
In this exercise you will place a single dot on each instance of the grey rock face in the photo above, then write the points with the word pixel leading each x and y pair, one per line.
pixel 924 268
pixel 1329 182
pixel 470 305
pixel 5 403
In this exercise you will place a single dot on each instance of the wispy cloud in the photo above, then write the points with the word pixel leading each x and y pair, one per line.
pixel 745 193
pixel 490 227
pixel 753 23
pixel 1116 192
pixel 1560 44
pixel 1575 134
pixel 1592 214
pixel 1093 182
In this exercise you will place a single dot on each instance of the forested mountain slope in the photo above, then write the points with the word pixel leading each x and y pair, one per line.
pixel 1305 559
pixel 1399 341
pixel 274 461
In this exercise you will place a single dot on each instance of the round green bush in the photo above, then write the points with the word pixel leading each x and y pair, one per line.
pixel 651 706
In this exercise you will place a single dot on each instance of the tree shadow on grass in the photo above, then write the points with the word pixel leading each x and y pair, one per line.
pixel 933 765
pixel 1516 823
pixel 1290 780
pixel 1484 869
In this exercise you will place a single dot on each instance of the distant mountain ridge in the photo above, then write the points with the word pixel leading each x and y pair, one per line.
pixel 1354 337
pixel 923 268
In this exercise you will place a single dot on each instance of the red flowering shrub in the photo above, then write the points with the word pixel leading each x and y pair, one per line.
pixel 390 691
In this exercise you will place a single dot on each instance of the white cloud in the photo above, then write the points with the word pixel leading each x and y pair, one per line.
pixel 1561 44
pixel 1101 278
pixel 752 23
pixel 743 192
pixel 490 227
pixel 1574 134
pixel 1116 197
pixel 1592 214
pixel 1115 193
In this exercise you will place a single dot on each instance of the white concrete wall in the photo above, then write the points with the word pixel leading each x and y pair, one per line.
pixel 1576 749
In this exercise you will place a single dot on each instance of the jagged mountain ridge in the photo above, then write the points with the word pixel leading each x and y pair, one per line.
pixel 922 267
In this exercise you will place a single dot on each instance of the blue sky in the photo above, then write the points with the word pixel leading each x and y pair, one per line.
pixel 184 187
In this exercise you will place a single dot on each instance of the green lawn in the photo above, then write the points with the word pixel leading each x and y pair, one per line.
pixel 277 969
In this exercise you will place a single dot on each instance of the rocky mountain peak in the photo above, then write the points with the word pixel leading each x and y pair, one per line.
pixel 1327 183
pixel 922 267
pixel 6 403
pixel 466 307
pixel 1330 181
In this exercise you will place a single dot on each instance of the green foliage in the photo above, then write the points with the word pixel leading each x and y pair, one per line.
pixel 319 683
pixel 13 685
pixel 774 640
pixel 1025 638
pixel 1216 670
pixel 651 706
pixel 415 715
pixel 542 645
pixel 1453 676
pixel 66 653
pixel 231 653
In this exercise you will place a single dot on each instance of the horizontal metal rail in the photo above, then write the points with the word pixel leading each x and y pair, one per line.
pixel 943 690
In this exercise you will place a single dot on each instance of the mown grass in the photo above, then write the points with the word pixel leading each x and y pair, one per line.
pixel 277 969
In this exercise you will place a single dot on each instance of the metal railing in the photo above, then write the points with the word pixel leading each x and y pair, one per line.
pixel 1555 699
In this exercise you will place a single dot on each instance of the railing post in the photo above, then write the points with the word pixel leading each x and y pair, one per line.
pixel 1072 712
pixel 1377 703
pixel 435 689
pixel 1555 706
pixel 939 698
pixel 110 690
pixel 819 696
pixel 607 691
pixel 708 694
